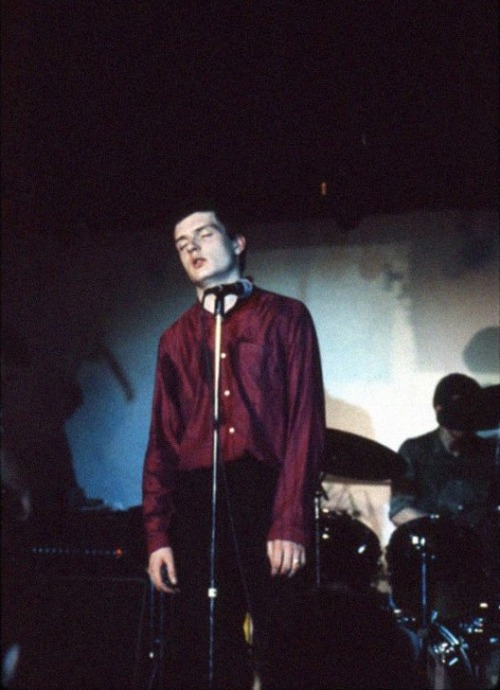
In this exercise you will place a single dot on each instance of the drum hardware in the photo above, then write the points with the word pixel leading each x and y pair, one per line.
pixel 463 656
pixel 448 665
pixel 442 596
pixel 420 545
pixel 482 634
pixel 482 627
pixel 440 657
pixel 319 494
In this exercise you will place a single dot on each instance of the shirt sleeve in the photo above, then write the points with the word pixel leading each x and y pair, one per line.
pixel 305 432
pixel 161 456
pixel 403 495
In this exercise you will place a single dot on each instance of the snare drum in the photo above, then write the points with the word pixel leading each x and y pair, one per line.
pixel 433 561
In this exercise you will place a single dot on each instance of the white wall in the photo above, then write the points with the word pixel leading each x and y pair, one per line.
pixel 398 303
pixel 395 311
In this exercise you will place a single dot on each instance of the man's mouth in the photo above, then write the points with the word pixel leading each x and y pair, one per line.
pixel 198 262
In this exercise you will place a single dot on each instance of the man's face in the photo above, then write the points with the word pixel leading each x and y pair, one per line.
pixel 209 256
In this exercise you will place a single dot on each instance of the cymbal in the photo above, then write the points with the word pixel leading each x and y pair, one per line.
pixel 479 412
pixel 488 414
pixel 357 457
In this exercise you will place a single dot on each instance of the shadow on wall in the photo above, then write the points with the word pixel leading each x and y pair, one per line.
pixel 36 401
pixel 93 348
pixel 39 394
pixel 482 352
pixel 453 289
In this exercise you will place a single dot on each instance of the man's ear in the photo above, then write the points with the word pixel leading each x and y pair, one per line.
pixel 239 244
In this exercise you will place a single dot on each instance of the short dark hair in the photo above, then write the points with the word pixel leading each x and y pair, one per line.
pixel 204 205
pixel 208 204
pixel 459 397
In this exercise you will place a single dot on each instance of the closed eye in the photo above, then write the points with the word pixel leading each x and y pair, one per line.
pixel 200 234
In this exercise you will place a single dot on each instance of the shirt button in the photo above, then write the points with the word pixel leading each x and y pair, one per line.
pixel 227 393
pixel 223 355
pixel 231 429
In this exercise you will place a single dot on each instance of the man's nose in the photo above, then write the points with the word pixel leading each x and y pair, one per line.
pixel 193 244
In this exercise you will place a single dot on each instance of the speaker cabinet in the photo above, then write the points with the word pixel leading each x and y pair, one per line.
pixel 86 633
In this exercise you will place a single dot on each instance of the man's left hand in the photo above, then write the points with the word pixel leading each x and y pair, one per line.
pixel 286 557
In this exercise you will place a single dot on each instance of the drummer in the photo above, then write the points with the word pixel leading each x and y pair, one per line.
pixel 450 470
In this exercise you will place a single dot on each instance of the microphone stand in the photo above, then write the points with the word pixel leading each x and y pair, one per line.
pixel 212 588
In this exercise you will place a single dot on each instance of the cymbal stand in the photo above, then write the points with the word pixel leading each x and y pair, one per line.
pixel 319 494
pixel 317 536
pixel 420 543
pixel 424 619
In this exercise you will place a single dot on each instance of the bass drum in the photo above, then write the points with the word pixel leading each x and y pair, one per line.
pixel 350 552
pixel 434 561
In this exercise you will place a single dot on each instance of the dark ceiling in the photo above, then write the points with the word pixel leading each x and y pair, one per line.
pixel 113 111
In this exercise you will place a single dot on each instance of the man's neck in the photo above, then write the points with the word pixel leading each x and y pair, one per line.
pixel 455 444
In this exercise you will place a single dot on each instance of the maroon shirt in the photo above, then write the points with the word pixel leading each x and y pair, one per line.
pixel 271 407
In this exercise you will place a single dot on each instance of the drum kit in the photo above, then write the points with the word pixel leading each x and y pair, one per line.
pixel 442 588
pixel 448 599
pixel 347 551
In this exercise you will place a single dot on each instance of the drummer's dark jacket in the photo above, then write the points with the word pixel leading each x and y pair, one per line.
pixel 436 481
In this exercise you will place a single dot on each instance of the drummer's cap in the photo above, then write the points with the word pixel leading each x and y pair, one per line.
pixel 458 397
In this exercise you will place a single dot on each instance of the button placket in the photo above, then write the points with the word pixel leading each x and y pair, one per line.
pixel 226 399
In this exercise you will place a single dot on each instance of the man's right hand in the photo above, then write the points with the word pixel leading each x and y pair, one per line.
pixel 161 570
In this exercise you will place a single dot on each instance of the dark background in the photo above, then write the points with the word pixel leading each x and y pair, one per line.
pixel 113 111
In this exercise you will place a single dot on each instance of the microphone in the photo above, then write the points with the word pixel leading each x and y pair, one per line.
pixel 242 288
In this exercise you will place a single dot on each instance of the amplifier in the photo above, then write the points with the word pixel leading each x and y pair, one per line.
pixel 97 543
pixel 86 633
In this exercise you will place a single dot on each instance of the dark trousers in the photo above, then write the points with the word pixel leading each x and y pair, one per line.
pixel 207 645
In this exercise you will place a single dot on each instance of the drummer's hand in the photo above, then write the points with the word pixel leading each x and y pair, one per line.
pixel 162 562
pixel 285 557
pixel 407 514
